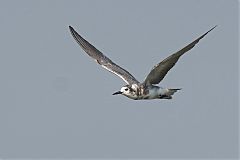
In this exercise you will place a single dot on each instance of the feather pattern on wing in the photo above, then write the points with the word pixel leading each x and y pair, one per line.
pixel 104 61
pixel 161 69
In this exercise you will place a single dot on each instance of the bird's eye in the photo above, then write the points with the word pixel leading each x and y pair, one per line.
pixel 126 89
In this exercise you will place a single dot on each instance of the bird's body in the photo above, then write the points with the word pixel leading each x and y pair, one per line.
pixel 142 91
pixel 134 89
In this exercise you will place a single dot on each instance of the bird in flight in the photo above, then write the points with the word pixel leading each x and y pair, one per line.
pixel 133 88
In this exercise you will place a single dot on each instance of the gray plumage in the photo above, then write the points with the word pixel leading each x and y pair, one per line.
pixel 161 69
pixel 134 89
pixel 100 58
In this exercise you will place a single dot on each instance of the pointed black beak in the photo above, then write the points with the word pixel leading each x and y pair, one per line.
pixel 118 92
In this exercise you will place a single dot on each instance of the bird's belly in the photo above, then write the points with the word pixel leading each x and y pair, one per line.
pixel 152 94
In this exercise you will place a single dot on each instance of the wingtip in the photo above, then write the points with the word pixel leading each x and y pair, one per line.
pixel 73 32
pixel 212 28
pixel 70 27
pixel 208 32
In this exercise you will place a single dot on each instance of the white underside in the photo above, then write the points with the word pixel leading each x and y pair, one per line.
pixel 156 92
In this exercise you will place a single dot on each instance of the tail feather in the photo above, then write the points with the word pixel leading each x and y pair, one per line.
pixel 174 89
pixel 171 91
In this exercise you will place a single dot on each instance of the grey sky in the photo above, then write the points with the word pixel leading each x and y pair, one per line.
pixel 56 102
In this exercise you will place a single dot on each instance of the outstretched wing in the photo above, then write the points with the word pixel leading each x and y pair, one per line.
pixel 161 69
pixel 100 58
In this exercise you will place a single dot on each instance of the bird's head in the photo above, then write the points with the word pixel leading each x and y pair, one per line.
pixel 127 91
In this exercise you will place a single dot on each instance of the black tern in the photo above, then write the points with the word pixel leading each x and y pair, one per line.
pixel 134 89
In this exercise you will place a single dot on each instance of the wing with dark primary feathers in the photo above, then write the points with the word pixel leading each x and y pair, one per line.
pixel 100 58
pixel 161 69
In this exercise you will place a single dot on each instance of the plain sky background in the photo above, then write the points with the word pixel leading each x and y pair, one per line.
pixel 56 102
